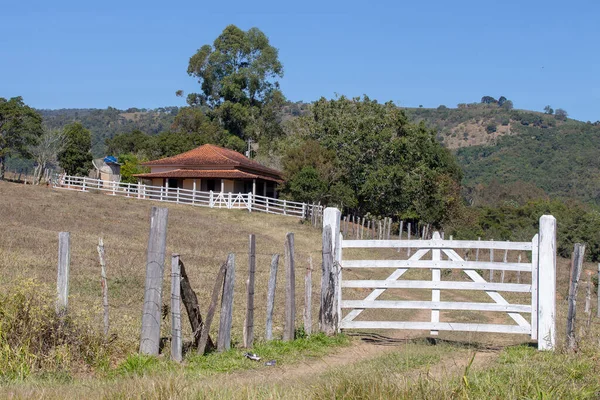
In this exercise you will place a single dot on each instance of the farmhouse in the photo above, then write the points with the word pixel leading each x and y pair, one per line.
pixel 213 168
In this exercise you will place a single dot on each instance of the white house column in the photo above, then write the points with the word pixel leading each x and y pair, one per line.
pixel 222 185
pixel 194 185
pixel 264 188
pixel 253 187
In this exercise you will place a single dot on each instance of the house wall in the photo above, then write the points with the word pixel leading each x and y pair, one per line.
pixel 229 185
pixel 157 182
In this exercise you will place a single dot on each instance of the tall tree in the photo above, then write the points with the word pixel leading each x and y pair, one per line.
pixel 20 127
pixel 76 158
pixel 238 78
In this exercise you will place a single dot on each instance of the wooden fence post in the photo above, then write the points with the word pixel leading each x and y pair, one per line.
pixel 271 296
pixel 598 292
pixel 204 336
pixel 327 312
pixel 176 345
pixel 492 260
pixel 547 284
pixel 331 290
pixel 104 284
pixel 224 340
pixel 588 294
pixel 576 264
pixel 389 228
pixel 408 238
pixel 289 327
pixel 308 298
pixel 505 260
pixel 155 266
pixel 249 321
pixel 64 265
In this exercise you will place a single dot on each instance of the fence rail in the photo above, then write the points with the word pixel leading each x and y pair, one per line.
pixel 248 201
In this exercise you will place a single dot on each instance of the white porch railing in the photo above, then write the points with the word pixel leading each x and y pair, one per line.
pixel 191 197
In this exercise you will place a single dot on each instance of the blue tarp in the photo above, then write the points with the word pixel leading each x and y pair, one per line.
pixel 110 159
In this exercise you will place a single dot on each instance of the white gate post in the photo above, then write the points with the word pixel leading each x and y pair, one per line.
pixel 547 283
pixel 332 218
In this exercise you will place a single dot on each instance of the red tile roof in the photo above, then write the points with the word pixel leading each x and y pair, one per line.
pixel 206 174
pixel 214 157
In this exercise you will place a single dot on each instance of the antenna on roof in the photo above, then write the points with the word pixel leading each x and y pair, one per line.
pixel 249 151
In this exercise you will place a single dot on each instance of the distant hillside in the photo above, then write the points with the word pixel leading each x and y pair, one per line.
pixel 563 161
pixel 106 123
pixel 480 124
pixel 494 144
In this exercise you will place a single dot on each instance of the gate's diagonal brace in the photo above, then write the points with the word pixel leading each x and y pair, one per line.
pixel 497 297
pixel 377 292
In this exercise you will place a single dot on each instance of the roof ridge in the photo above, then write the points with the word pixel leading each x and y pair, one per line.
pixel 215 148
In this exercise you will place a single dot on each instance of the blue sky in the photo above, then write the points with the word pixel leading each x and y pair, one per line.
pixel 77 54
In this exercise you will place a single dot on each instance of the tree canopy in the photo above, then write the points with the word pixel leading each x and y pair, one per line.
pixel 20 128
pixel 370 158
pixel 238 80
pixel 76 158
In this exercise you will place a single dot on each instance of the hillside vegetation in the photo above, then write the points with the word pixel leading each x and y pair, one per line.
pixel 106 123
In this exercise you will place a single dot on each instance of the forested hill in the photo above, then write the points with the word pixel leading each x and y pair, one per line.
pixel 494 144
pixel 106 123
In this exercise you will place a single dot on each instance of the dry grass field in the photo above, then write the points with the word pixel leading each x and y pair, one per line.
pixel 32 217
pixel 397 365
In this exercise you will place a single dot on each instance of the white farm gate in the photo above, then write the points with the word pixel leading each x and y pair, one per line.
pixel 536 317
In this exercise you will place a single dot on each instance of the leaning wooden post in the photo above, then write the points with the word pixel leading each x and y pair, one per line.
pixel 249 322
pixel 576 264
pixel 271 297
pixel 104 284
pixel 547 284
pixel 224 340
pixel 62 281
pixel 176 345
pixel 155 266
pixel 289 326
pixel 331 290
pixel 308 298
pixel 218 288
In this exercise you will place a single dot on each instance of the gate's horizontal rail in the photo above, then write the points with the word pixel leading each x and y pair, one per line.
pixel 437 244
pixel 436 305
pixel 438 326
pixel 443 285
pixel 425 264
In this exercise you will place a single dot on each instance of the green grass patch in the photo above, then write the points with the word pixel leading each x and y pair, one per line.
pixel 282 352
pixel 525 373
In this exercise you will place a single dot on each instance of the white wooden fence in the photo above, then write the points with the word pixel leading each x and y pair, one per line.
pixel 540 308
pixel 210 199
